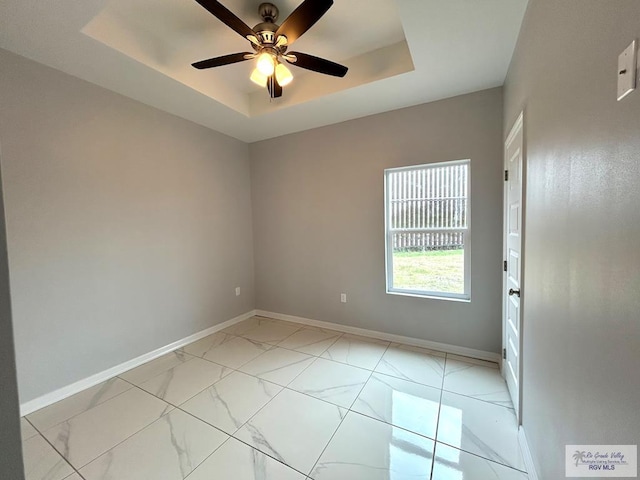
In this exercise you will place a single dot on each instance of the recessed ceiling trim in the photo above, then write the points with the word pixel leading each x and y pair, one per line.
pixel 457 47
pixel 176 32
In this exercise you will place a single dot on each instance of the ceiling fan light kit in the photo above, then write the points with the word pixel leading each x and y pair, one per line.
pixel 266 63
pixel 271 41
pixel 259 78
pixel 283 75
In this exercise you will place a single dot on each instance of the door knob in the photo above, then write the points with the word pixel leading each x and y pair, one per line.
pixel 514 292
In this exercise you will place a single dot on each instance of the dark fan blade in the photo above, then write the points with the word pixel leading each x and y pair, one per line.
pixel 318 64
pixel 219 61
pixel 227 17
pixel 275 90
pixel 303 18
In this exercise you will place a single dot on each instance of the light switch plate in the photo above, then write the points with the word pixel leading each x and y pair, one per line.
pixel 627 70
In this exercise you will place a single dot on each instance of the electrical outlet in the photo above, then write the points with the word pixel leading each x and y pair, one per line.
pixel 343 297
pixel 237 291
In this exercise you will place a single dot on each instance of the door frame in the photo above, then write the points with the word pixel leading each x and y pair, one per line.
pixel 517 126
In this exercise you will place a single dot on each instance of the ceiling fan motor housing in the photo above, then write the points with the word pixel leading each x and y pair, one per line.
pixel 269 12
pixel 266 30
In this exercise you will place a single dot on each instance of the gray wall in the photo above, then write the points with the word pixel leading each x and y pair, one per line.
pixel 318 209
pixel 10 445
pixel 128 228
pixel 582 279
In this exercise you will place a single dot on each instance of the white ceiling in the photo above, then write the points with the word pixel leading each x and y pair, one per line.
pixel 400 53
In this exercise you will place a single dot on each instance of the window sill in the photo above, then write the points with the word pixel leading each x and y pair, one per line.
pixel 429 296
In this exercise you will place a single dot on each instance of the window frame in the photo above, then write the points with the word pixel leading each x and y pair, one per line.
pixel 463 297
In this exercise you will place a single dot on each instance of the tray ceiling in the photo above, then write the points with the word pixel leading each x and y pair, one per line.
pixel 399 52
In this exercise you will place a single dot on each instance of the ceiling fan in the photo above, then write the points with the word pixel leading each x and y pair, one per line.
pixel 271 41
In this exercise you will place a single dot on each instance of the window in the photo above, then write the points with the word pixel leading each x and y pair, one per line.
pixel 427 230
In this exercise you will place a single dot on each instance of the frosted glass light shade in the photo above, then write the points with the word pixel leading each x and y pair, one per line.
pixel 266 64
pixel 259 78
pixel 283 75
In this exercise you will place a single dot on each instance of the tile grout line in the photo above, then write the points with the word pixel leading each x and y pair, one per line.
pixel 483 458
pixel 160 418
pixel 199 391
pixel 404 379
pixel 181 349
pixel 438 424
pixel 301 372
pixel 337 337
pixel 75 414
pixel 435 440
pixel 137 431
pixel 193 357
pixel 371 372
pixel 233 370
pixel 394 426
pixel 315 357
pixel 229 436
pixel 283 463
pixel 251 446
pixel 288 365
pixel 39 433
pixel 370 375
pixel 340 335
pixel 478 399
pixel 208 456
pixel 149 425
pixel 75 470
pixel 277 345
pixel 301 327
pixel 272 345
pixel 301 393
pixel 237 370
pixel 348 411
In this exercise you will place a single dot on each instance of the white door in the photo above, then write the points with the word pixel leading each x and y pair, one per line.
pixel 512 282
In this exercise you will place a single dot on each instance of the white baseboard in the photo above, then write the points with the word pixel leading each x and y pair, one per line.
pixel 526 454
pixel 416 342
pixel 64 392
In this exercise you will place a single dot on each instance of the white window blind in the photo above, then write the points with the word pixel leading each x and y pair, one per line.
pixel 427 229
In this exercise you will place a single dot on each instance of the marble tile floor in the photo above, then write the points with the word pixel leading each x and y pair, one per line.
pixel 272 400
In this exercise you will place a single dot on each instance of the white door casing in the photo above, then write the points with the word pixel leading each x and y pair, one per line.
pixel 512 277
